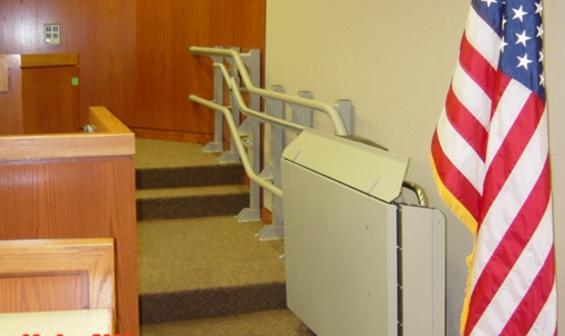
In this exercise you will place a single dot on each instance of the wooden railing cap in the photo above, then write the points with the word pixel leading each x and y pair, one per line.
pixel 112 138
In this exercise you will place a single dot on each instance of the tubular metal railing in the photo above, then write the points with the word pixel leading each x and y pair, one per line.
pixel 331 111
pixel 231 79
pixel 260 115
pixel 239 145
pixel 419 191
pixel 234 88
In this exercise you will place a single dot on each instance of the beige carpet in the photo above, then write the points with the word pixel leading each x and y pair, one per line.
pixel 203 273
pixel 159 153
pixel 211 252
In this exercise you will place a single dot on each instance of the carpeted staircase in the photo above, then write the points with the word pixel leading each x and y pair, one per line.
pixel 201 272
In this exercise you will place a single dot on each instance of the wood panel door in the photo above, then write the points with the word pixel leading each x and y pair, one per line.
pixel 51 101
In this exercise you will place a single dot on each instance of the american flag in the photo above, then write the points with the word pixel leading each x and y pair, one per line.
pixel 490 159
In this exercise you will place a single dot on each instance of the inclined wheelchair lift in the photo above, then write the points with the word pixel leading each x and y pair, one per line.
pixel 357 262
pixel 360 260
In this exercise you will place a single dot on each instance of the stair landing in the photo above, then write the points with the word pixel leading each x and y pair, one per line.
pixel 168 164
pixel 170 154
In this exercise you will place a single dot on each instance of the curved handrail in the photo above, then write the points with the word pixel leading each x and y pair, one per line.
pixel 296 100
pixel 419 191
pixel 232 84
pixel 241 150
pixel 224 73
pixel 260 115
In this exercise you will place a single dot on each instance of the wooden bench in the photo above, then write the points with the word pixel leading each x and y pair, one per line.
pixel 76 185
pixel 55 285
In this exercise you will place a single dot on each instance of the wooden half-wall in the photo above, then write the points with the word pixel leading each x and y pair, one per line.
pixel 76 185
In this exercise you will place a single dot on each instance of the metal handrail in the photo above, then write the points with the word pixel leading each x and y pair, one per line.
pixel 296 100
pixel 239 145
pixel 260 115
pixel 419 191
pixel 225 73
pixel 232 84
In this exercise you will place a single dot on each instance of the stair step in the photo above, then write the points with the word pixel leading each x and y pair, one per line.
pixel 150 153
pixel 211 302
pixel 148 194
pixel 170 203
pixel 268 323
pixel 169 164
pixel 207 267
pixel 189 176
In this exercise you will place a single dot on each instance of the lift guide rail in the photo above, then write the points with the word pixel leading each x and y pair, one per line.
pixel 357 263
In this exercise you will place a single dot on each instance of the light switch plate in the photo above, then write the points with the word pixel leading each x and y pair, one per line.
pixel 52 33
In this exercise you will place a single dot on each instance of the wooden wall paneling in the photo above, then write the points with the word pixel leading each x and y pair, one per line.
pixel 11 27
pixel 133 52
pixel 81 198
pixel 108 56
pixel 196 72
pixel 50 102
pixel 185 23
pixel 34 14
pixel 11 102
pixel 155 68
pixel 102 32
pixel 227 23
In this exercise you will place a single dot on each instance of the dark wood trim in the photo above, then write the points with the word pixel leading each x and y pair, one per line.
pixel 49 60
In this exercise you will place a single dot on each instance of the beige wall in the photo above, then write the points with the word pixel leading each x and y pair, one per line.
pixel 394 59
pixel 555 73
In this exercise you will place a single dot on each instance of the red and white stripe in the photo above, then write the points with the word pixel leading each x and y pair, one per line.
pixel 490 152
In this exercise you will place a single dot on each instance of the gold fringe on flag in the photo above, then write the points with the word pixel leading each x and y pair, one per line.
pixel 466 218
